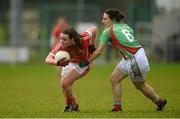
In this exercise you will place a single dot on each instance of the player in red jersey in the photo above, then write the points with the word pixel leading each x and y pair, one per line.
pixel 55 35
pixel 80 48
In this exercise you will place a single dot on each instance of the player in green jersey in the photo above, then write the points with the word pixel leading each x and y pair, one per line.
pixel 134 62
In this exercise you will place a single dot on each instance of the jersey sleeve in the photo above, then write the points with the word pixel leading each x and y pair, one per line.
pixel 56 48
pixel 87 38
pixel 105 36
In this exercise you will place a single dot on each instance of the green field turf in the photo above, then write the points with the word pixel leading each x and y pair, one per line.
pixel 32 91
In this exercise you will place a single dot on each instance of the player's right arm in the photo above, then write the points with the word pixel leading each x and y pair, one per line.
pixel 104 38
pixel 50 59
pixel 97 52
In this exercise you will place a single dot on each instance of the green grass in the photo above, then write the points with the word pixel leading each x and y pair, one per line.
pixel 32 91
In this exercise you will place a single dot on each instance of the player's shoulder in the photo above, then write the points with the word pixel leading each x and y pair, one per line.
pixel 56 47
pixel 86 35
pixel 124 25
pixel 106 31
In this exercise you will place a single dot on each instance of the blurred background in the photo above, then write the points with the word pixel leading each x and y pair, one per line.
pixel 26 26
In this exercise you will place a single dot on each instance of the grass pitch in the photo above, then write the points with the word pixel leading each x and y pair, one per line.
pixel 32 91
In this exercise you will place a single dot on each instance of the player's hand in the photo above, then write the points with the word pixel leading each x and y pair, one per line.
pixel 83 63
pixel 91 49
pixel 63 62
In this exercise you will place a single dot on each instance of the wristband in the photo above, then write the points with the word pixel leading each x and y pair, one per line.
pixel 83 63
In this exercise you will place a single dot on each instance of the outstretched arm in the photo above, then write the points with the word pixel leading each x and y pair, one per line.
pixel 97 52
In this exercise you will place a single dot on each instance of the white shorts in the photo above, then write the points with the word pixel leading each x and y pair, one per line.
pixel 74 66
pixel 136 67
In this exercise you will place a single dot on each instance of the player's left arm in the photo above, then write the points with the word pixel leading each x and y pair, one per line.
pixel 93 32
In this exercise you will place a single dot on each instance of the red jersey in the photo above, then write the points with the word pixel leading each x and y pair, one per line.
pixel 84 55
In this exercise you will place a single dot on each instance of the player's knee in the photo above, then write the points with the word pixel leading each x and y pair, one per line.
pixel 113 79
pixel 64 84
pixel 139 85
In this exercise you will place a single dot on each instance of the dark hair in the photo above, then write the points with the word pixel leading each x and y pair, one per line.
pixel 77 38
pixel 115 14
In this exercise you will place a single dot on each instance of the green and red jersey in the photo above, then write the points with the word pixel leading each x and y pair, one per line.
pixel 122 38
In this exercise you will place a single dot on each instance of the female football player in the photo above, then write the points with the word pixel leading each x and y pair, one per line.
pixel 134 62
pixel 80 48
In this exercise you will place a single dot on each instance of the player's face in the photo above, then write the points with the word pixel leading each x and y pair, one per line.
pixel 106 20
pixel 65 40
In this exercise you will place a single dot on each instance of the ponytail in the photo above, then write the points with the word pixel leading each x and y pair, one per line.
pixel 115 14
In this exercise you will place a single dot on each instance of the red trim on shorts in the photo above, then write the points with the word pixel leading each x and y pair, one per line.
pixel 85 72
